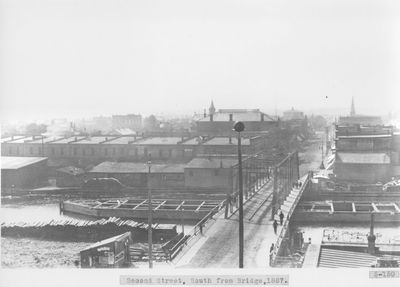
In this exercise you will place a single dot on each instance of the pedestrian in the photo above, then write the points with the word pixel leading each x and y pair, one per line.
pixel 275 225
pixel 281 216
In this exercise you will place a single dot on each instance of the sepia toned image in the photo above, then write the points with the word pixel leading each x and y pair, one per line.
pixel 175 135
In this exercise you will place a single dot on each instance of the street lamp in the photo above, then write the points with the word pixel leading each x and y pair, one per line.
pixel 239 127
pixel 150 222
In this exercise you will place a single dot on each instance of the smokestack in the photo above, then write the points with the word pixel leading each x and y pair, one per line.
pixel 231 117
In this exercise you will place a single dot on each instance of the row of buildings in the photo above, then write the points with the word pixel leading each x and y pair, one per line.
pixel 366 151
pixel 92 150
pixel 203 158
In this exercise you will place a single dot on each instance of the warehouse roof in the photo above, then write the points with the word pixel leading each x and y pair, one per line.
pixel 11 138
pixel 363 158
pixel 212 162
pixel 122 140
pixel 365 136
pixel 16 162
pixel 134 167
pixel 93 140
pixel 68 140
pixel 159 141
pixel 225 141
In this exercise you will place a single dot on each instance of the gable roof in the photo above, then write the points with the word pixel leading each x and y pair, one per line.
pixel 134 167
pixel 212 162
pixel 16 162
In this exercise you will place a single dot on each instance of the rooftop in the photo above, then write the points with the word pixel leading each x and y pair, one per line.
pixel 93 140
pixel 193 141
pixel 125 131
pixel 225 141
pixel 212 162
pixel 238 115
pixel 68 140
pixel 12 138
pixel 133 167
pixel 45 140
pixel 159 141
pixel 107 241
pixel 363 158
pixel 365 136
pixel 122 140
pixel 16 162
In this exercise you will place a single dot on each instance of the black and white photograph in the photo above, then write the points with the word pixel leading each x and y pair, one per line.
pixel 200 143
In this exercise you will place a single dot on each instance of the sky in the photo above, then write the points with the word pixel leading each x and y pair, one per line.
pixel 65 58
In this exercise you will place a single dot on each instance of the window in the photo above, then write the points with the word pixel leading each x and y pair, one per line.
pixel 216 172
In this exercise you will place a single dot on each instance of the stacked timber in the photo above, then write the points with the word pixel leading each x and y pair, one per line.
pixel 86 230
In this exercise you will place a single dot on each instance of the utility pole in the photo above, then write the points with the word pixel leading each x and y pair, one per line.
pixel 239 127
pixel 150 218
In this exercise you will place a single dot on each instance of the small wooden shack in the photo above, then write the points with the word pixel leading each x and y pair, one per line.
pixel 109 253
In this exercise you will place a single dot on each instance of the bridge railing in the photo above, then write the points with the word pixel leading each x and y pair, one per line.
pixel 282 233
pixel 199 228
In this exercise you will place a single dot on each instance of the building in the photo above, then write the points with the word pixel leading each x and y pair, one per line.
pixel 109 253
pixel 354 119
pixel 220 123
pixel 133 174
pixel 366 151
pixel 69 176
pixel 362 167
pixel 130 121
pixel 23 172
pixel 83 151
pixel 292 115
pixel 216 173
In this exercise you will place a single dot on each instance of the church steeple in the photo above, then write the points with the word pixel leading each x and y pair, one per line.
pixel 211 110
pixel 353 110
